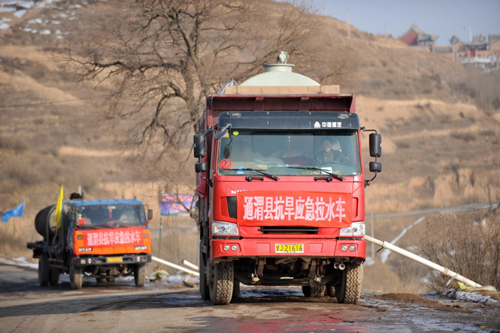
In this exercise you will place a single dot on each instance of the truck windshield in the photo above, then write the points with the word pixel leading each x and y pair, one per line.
pixel 112 215
pixel 277 153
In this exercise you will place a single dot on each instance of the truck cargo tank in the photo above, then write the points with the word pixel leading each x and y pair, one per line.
pixel 45 223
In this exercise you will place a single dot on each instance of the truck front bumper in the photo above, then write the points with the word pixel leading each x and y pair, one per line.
pixel 324 248
pixel 125 259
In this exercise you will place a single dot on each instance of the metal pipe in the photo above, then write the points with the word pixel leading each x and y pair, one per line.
pixel 424 261
pixel 167 263
pixel 190 265
pixel 341 266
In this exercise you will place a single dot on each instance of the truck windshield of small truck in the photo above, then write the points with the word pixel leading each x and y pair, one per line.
pixel 111 216
pixel 277 153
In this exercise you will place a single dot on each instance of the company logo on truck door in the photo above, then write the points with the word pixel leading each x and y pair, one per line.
pixel 316 209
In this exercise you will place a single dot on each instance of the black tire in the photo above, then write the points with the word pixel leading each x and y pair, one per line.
pixel 330 290
pixel 314 291
pixel 75 275
pixel 43 270
pixel 140 275
pixel 349 290
pixel 204 289
pixel 236 289
pixel 100 279
pixel 221 288
pixel 54 276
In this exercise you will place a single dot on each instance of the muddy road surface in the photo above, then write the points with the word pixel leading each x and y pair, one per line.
pixel 162 307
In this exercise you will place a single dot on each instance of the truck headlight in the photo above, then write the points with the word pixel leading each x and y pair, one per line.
pixel 356 229
pixel 224 229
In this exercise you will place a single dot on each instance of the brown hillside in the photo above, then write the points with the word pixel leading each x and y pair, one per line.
pixel 439 148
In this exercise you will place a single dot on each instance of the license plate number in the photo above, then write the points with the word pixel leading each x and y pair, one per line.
pixel 118 259
pixel 289 248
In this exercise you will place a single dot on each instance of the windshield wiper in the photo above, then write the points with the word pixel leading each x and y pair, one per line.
pixel 255 170
pixel 339 177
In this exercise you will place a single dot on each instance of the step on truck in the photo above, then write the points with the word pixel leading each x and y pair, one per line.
pixel 281 188
pixel 101 239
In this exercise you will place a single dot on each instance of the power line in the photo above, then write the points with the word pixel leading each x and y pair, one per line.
pixel 56 102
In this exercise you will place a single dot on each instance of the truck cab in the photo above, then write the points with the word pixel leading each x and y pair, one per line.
pixel 281 187
pixel 101 239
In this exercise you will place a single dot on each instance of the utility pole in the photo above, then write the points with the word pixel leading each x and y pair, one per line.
pixel 373 235
pixel 470 33
pixel 159 245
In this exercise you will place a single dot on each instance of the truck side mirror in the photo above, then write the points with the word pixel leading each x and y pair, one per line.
pixel 375 167
pixel 222 132
pixel 201 167
pixel 375 145
pixel 150 214
pixel 199 140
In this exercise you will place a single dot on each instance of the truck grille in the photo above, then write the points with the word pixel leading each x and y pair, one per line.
pixel 231 207
pixel 289 230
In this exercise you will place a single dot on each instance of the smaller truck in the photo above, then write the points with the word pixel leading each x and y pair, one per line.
pixel 101 239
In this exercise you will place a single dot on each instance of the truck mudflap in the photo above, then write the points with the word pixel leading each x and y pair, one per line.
pixel 126 259
pixel 248 247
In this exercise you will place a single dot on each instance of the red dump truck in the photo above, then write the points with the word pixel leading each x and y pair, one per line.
pixel 281 188
pixel 101 239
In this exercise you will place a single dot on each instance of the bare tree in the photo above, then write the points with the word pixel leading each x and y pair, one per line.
pixel 160 58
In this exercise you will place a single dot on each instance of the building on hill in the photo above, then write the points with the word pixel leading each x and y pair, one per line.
pixel 418 38
pixel 481 53
pixel 479 43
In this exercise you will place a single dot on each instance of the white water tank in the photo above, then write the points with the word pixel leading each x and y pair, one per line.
pixel 279 75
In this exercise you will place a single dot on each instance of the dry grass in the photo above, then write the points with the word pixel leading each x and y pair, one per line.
pixel 179 240
pixel 467 243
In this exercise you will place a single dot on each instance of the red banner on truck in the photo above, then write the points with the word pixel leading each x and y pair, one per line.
pixel 317 209
pixel 114 237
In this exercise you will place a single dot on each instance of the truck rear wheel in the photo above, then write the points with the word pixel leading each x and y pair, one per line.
pixel 204 290
pixel 236 289
pixel 314 291
pixel 349 289
pixel 43 270
pixel 330 289
pixel 75 275
pixel 140 275
pixel 221 286
pixel 54 276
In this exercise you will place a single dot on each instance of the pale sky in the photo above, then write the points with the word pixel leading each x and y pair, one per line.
pixel 438 17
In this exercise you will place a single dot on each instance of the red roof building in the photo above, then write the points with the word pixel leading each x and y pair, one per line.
pixel 416 37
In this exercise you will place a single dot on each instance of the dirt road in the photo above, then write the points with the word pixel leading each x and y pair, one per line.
pixel 121 307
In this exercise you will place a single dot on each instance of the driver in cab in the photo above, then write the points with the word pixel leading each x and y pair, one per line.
pixel 330 153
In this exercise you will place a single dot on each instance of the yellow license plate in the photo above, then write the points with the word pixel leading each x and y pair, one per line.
pixel 289 248
pixel 118 259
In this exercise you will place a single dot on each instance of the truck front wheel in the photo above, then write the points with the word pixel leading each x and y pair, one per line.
pixel 43 270
pixel 204 290
pixel 140 275
pixel 349 289
pixel 221 286
pixel 75 275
